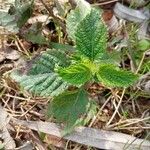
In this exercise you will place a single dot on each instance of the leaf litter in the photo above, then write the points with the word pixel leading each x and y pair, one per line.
pixel 131 116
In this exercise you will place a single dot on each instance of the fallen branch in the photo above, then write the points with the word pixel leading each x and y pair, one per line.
pixel 89 136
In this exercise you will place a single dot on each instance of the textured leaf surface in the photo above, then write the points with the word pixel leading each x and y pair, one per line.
pixel 91 35
pixel 69 106
pixel 41 78
pixel 47 62
pixel 17 15
pixel 76 16
pixel 76 74
pixel 109 57
pixel 111 76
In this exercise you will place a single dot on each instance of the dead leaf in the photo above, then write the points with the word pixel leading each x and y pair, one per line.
pixel 110 20
pixel 136 3
pixel 2 57
pixel 143 31
pixel 130 14
pixel 39 18
pixel 12 54
pixel 54 140
pixel 8 53
pixel 27 146
pixel 144 82
pixel 9 143
pixel 5 67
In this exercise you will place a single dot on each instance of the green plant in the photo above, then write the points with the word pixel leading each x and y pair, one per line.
pixel 55 70
pixel 1 146
pixel 144 45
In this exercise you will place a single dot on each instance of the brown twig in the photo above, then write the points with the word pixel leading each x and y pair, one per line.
pixel 104 3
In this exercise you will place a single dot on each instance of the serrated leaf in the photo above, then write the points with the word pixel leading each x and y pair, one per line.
pixel 47 62
pixel 91 35
pixel 76 16
pixel 41 78
pixel 69 107
pixel 75 74
pixel 112 76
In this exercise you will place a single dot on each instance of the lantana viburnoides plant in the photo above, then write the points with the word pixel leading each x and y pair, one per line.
pixel 55 71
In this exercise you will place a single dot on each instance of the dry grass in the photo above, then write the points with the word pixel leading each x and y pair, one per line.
pixel 125 111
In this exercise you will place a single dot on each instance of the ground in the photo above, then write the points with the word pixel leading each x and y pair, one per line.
pixel 124 110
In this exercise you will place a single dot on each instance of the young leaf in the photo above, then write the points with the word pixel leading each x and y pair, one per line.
pixel 75 74
pixel 111 76
pixel 76 16
pixel 69 106
pixel 91 35
pixel 41 78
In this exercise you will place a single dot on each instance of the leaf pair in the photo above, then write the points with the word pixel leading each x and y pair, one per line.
pixel 108 74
